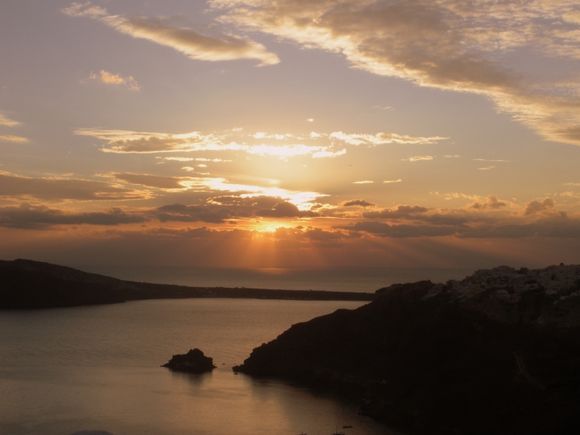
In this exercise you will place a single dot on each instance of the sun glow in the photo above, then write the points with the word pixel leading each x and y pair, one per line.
pixel 302 200
pixel 270 226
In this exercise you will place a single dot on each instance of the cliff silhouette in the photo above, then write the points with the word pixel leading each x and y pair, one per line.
pixel 496 353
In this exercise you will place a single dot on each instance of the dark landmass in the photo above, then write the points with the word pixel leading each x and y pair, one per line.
pixel 496 353
pixel 27 284
pixel 193 361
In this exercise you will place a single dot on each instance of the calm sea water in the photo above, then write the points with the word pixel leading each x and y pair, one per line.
pixel 366 279
pixel 70 370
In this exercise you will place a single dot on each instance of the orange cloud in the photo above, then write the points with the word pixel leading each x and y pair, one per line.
pixel 109 78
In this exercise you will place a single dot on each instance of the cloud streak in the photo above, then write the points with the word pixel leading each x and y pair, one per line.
pixel 279 145
pixel 53 188
pixel 185 40
pixel 215 210
pixel 13 138
pixel 39 216
pixel 446 44
pixel 7 122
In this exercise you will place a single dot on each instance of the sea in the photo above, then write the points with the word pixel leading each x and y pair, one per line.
pixel 358 279
pixel 96 370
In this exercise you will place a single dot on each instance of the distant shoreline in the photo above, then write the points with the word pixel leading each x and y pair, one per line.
pixel 28 284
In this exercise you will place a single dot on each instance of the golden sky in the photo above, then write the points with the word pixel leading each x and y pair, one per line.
pixel 297 134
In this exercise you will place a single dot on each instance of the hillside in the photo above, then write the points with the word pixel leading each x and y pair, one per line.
pixel 495 353
pixel 27 284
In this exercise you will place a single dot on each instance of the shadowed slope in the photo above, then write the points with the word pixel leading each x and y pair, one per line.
pixel 455 358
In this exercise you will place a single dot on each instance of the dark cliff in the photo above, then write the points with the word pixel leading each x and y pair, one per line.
pixel 496 353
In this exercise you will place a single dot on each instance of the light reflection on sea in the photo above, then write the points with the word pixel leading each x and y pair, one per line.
pixel 97 369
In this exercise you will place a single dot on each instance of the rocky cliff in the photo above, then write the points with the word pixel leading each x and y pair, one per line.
pixel 495 353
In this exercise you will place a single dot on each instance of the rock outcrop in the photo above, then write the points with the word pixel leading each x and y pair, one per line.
pixel 193 361
pixel 496 353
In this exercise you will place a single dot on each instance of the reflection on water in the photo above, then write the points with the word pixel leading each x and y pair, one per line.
pixel 92 432
pixel 95 370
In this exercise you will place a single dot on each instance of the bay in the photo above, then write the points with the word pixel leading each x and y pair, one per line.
pixel 64 371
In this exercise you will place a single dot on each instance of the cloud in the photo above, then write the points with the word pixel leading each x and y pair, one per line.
pixel 474 227
pixel 445 44
pixel 149 180
pixel 402 222
pixel 284 209
pixel 7 122
pixel 402 211
pixel 302 199
pixel 264 144
pixel 39 216
pixel 535 207
pixel 487 218
pixel 491 160
pixel 53 188
pixel 13 139
pixel 395 181
pixel 491 203
pixel 194 159
pixel 109 78
pixel 555 227
pixel 128 142
pixel 221 209
pixel 182 39
pixel 387 230
pixel 382 138
pixel 363 182
pixel 210 213
pixel 10 138
pixel 214 209
pixel 63 188
pixel 357 203
pixel 325 154
pixel 423 158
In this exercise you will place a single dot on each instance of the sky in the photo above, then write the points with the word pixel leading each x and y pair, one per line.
pixel 290 135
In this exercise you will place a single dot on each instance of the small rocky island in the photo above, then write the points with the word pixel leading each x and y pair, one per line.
pixel 495 353
pixel 193 361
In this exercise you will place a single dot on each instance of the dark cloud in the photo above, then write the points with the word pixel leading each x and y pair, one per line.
pixel 402 211
pixel 555 226
pixel 151 180
pixel 539 206
pixel 214 210
pixel 491 203
pixel 192 213
pixel 357 203
pixel 32 216
pixel 403 230
pixel 281 210
pixel 61 188
pixel 220 209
